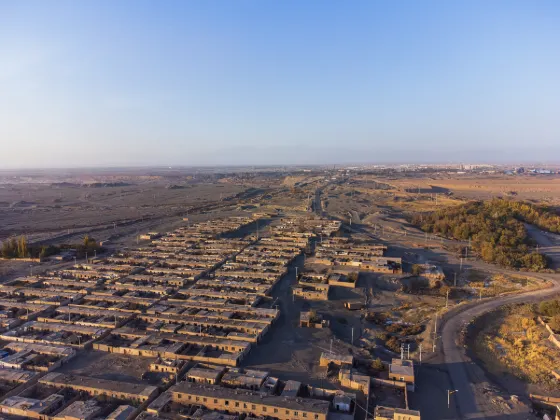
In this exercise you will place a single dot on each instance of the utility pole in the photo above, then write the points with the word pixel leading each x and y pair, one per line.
pixel 461 265
pixel 408 351
pixel 86 258
pixel 455 280
pixel 435 335
pixel 426 239
pixel 402 351
pixel 296 273
pixel 446 298
pixel 331 347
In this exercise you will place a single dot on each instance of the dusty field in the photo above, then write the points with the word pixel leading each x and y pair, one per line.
pixel 541 188
pixel 490 284
pixel 34 209
pixel 110 366
pixel 365 204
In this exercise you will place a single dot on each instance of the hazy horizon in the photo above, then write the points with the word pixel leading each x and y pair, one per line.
pixel 215 83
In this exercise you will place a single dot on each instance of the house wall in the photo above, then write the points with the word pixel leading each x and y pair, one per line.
pixel 237 406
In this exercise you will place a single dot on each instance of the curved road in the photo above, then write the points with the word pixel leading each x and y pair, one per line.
pixel 465 376
pixel 471 403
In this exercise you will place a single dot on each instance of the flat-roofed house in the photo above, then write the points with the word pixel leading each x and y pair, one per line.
pixel 391 413
pixel 402 371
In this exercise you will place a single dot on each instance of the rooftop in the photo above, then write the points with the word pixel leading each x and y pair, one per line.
pixel 291 403
pixel 402 367
pixel 80 410
pixel 122 412
pixel 100 384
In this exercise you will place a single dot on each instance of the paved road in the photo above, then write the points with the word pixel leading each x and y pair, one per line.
pixel 471 402
pixel 465 377
pixel 463 374
pixel 549 244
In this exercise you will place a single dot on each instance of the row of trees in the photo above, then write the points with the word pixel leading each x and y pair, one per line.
pixel 19 248
pixel 495 229
pixel 543 217
pixel 15 248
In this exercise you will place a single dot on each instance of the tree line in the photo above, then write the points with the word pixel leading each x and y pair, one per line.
pixel 495 229
pixel 18 247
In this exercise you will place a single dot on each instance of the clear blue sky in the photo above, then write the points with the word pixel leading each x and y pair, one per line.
pixel 158 82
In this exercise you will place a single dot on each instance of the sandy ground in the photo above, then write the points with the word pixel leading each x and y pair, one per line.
pixel 542 188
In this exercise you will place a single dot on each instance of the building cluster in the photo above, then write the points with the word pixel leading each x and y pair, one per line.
pixel 311 226
pixel 212 392
pixel 316 286
pixel 132 302
pixel 400 376
pixel 58 396
pixel 344 253
pixel 194 302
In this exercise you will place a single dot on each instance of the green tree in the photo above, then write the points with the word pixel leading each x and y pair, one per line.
pixel 495 228
pixel 22 247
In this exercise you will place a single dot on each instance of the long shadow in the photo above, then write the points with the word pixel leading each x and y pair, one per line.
pixel 272 349
pixel 431 396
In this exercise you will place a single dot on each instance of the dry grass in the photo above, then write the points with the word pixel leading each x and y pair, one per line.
pixel 516 343
pixel 290 181
pixel 369 201
pixel 496 284
pixel 539 188
pixel 410 202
